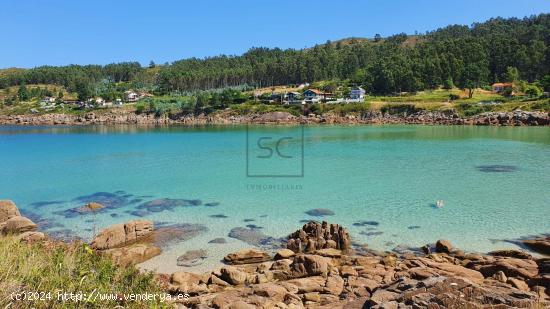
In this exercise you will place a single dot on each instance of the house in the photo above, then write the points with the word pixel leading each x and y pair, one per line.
pixel 315 95
pixel 131 96
pixel 499 87
pixel 276 97
pixel 357 93
pixel 293 98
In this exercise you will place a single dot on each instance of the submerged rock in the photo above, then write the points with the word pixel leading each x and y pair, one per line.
pixel 219 240
pixel 364 223
pixel 320 212
pixel 192 258
pixel 164 204
pixel 251 236
pixel 167 235
pixel 496 168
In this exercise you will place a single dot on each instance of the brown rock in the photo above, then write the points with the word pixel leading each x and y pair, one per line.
pixel 347 271
pixel 518 284
pixel 309 284
pixel 284 254
pixel 246 256
pixel 500 276
pixel 18 225
pixel 233 275
pixel 382 296
pixel 329 252
pixel 541 245
pixel 8 210
pixel 443 246
pixel 190 283
pixel 511 253
pixel 31 237
pixel 270 290
pixel 119 235
pixel 309 265
pixel 133 254
pixel 370 285
pixel 312 296
pixel 334 285
pixel 315 236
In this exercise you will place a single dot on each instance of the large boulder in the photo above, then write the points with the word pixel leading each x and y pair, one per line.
pixel 246 256
pixel 133 254
pixel 17 225
pixel 8 210
pixel 309 265
pixel 233 275
pixel 185 282
pixel 443 246
pixel 123 234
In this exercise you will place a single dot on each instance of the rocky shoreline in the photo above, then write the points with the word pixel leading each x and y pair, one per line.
pixel 114 117
pixel 318 267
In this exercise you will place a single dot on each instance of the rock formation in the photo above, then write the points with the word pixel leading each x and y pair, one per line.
pixel 315 236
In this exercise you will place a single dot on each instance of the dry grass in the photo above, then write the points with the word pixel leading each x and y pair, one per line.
pixel 53 267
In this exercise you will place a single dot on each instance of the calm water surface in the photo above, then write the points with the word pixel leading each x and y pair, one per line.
pixel 493 180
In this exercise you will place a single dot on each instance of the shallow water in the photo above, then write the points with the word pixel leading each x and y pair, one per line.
pixel 386 179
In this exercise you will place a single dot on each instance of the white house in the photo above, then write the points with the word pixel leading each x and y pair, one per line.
pixel 131 96
pixel 357 93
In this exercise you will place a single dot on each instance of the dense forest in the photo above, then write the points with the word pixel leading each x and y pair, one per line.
pixel 461 56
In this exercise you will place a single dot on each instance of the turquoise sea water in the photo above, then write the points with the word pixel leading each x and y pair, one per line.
pixel 493 180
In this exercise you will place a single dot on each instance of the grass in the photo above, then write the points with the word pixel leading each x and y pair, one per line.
pixel 53 268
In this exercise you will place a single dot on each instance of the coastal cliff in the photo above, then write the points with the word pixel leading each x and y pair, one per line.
pixel 515 118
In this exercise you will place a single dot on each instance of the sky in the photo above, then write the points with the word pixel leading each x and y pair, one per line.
pixel 61 32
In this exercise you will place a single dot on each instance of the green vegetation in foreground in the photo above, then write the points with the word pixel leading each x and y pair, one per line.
pixel 72 268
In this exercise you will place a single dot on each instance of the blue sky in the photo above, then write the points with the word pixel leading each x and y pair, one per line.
pixel 60 32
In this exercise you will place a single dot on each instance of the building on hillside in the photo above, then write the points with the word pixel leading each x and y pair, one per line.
pixel 131 96
pixel 315 95
pixel 293 98
pixel 499 87
pixel 357 93
pixel 276 97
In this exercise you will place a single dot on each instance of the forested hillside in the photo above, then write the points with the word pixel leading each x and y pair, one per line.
pixel 462 56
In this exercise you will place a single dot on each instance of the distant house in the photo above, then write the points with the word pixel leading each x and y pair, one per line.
pixel 293 98
pixel 276 97
pixel 499 87
pixel 131 96
pixel 357 93
pixel 315 95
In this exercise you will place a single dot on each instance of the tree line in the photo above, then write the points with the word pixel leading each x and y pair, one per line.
pixel 462 56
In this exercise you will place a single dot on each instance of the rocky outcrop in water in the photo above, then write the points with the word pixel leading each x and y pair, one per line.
pixel 315 236
pixel 449 117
